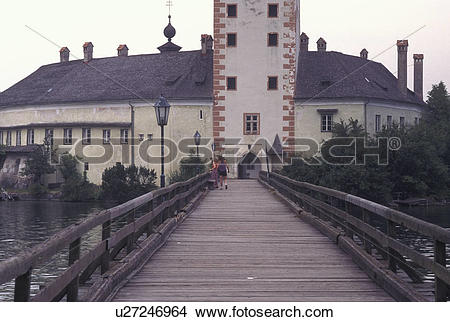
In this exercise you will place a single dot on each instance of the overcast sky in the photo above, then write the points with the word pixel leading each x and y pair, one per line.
pixel 346 25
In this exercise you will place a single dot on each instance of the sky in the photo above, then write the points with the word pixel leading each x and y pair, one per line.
pixel 32 32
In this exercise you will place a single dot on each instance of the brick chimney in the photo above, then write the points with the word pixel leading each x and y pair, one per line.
pixel 64 55
pixel 207 43
pixel 304 42
pixel 321 45
pixel 88 50
pixel 402 46
pixel 364 54
pixel 122 50
pixel 418 75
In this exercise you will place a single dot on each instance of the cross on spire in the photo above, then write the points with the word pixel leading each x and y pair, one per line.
pixel 169 4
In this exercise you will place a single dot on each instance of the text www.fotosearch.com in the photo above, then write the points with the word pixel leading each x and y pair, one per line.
pixel 245 312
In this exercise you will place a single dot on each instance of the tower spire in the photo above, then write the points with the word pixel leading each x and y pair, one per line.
pixel 169 33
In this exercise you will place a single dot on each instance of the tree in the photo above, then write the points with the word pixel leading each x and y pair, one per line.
pixel 121 183
pixel 76 187
pixel 189 168
pixel 38 164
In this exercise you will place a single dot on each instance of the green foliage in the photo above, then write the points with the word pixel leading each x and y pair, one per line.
pixel 189 168
pixel 121 183
pixel 2 155
pixel 420 168
pixel 38 164
pixel 37 189
pixel 76 187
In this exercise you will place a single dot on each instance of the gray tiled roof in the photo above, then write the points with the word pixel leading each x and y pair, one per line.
pixel 331 75
pixel 182 75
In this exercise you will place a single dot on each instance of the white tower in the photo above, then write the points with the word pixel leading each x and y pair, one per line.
pixel 255 56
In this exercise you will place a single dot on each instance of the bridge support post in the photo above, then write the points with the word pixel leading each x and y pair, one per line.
pixel 441 288
pixel 150 224
pixel 130 239
pixel 366 219
pixel 22 287
pixel 106 233
pixel 74 255
pixel 348 228
pixel 390 251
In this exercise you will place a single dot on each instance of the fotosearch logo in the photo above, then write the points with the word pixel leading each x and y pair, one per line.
pixel 334 151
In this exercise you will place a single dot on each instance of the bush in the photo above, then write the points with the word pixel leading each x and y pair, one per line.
pixel 121 183
pixel 76 187
pixel 189 168
pixel 38 164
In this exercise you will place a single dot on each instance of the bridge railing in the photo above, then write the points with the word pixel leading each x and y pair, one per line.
pixel 133 220
pixel 375 227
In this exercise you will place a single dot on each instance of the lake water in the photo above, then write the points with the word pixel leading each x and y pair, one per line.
pixel 24 224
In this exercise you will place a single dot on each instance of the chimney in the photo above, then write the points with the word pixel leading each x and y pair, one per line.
pixel 418 75
pixel 88 50
pixel 321 45
pixel 304 42
pixel 64 54
pixel 207 43
pixel 364 53
pixel 402 46
pixel 122 50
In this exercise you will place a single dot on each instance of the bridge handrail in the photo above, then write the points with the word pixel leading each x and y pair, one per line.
pixel 340 208
pixel 162 204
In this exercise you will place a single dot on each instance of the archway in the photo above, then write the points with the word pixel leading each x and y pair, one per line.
pixel 249 167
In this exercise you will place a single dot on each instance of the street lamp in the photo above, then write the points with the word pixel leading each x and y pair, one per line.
pixel 162 109
pixel 197 138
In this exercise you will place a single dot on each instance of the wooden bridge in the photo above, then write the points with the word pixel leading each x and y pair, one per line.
pixel 269 240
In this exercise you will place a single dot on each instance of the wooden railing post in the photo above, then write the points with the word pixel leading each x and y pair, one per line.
pixel 390 252
pixel 440 287
pixel 130 240
pixel 106 233
pixel 348 228
pixel 22 287
pixel 74 255
pixel 150 224
pixel 367 244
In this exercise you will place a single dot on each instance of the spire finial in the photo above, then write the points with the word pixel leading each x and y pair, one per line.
pixel 169 4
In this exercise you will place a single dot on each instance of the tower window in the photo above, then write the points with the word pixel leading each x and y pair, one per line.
pixel 272 83
pixel 272 11
pixel 231 83
pixel 232 10
pixel 272 39
pixel 231 40
pixel 251 124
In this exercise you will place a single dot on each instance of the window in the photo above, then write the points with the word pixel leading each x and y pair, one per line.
pixel 150 137
pixel 18 137
pixel 402 122
pixel 389 121
pixel 124 136
pixel 107 136
pixel 49 136
pixel 377 123
pixel 200 116
pixel 231 83
pixel 1 137
pixel 251 124
pixel 272 11
pixel 67 136
pixel 30 137
pixel 231 40
pixel 86 134
pixel 327 122
pixel 272 39
pixel 8 138
pixel 232 10
pixel 272 83
pixel 141 137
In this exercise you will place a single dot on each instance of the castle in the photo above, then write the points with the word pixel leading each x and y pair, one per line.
pixel 255 78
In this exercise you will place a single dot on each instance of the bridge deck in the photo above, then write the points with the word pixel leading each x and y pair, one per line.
pixel 242 244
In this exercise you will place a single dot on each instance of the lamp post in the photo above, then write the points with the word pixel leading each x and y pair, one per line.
pixel 162 109
pixel 197 138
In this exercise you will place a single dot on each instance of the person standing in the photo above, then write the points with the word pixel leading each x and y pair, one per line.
pixel 223 170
